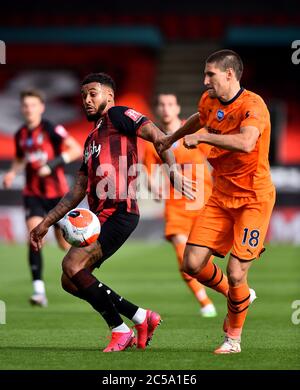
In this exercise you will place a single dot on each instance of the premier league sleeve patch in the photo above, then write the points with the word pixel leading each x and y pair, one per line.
pixel 134 115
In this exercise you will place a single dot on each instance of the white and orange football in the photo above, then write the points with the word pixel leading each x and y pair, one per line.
pixel 80 227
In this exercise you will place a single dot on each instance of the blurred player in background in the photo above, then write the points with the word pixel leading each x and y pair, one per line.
pixel 180 213
pixel 42 148
pixel 110 152
pixel 237 215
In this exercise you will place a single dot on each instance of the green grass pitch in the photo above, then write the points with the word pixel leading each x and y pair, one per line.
pixel 70 335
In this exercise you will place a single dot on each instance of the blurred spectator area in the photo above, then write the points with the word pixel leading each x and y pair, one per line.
pixel 58 68
pixel 176 19
pixel 160 46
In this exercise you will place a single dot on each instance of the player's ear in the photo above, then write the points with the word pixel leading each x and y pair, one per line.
pixel 230 73
pixel 110 95
pixel 178 109
pixel 43 108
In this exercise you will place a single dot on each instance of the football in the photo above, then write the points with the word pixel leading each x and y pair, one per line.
pixel 80 227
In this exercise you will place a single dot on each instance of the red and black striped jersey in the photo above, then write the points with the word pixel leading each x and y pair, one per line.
pixel 37 146
pixel 110 159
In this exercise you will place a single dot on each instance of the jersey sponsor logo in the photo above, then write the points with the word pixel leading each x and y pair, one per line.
pixel 39 156
pixel 220 115
pixel 91 150
pixel 60 130
pixel 134 115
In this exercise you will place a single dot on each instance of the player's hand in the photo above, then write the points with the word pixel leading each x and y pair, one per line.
pixel 163 143
pixel 45 170
pixel 37 234
pixel 184 185
pixel 191 141
pixel 8 179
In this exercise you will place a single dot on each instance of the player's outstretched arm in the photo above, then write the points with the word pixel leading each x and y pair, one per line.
pixel 67 203
pixel 72 151
pixel 152 133
pixel 244 141
pixel 17 166
pixel 190 126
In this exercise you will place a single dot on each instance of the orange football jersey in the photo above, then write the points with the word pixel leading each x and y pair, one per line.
pixel 189 160
pixel 239 174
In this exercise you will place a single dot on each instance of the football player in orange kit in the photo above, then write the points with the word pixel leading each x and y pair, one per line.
pixel 180 213
pixel 237 215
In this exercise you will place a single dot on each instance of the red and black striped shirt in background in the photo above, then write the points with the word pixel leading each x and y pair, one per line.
pixel 37 146
pixel 110 158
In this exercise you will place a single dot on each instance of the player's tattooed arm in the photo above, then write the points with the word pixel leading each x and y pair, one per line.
pixel 17 166
pixel 67 203
pixel 152 133
pixel 189 127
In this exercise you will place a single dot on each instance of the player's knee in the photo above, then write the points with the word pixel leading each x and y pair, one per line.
pixel 67 285
pixel 70 267
pixel 192 263
pixel 64 283
pixel 189 269
pixel 235 277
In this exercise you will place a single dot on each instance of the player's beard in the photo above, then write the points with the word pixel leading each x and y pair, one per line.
pixel 95 117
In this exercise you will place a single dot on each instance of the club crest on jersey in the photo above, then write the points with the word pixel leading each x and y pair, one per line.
pixel 175 144
pixel 29 142
pixel 220 115
pixel 91 150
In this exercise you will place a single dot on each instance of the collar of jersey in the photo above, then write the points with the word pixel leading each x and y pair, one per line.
pixel 99 123
pixel 233 99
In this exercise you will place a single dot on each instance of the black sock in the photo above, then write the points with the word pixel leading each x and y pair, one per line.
pixel 97 295
pixel 35 263
pixel 123 306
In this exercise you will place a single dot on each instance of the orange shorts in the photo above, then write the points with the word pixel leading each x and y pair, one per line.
pixel 237 223
pixel 178 221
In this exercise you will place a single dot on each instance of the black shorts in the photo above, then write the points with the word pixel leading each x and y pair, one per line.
pixel 115 231
pixel 38 207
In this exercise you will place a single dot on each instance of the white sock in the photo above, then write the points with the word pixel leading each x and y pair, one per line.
pixel 39 287
pixel 201 294
pixel 139 316
pixel 123 328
